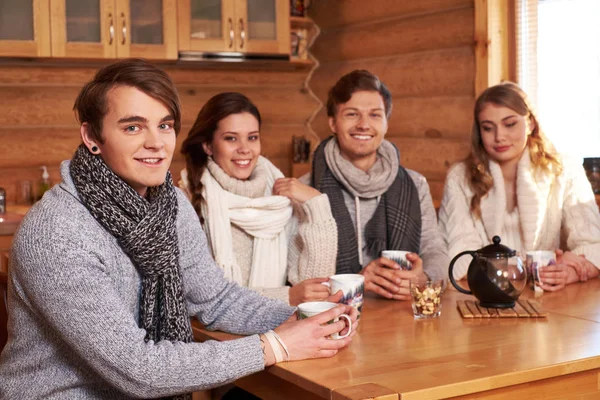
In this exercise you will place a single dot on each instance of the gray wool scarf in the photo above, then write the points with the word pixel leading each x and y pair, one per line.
pixel 146 231
pixel 358 182
pixel 396 223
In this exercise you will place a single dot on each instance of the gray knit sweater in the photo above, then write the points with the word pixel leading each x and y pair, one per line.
pixel 73 312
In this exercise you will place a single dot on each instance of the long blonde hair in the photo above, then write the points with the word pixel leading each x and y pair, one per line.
pixel 541 151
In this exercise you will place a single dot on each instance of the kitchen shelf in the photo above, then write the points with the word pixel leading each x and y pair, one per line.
pixel 301 22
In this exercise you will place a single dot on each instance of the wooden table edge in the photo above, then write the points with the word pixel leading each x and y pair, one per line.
pixel 364 391
pixel 502 380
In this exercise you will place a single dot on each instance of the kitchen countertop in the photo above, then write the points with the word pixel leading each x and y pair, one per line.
pixel 10 221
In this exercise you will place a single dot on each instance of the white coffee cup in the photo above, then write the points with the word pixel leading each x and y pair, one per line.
pixel 310 309
pixel 399 257
pixel 535 261
pixel 352 287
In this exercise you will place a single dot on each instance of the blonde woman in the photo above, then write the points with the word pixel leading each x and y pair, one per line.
pixel 515 185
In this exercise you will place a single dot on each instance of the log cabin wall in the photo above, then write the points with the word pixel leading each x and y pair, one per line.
pixel 424 52
pixel 38 127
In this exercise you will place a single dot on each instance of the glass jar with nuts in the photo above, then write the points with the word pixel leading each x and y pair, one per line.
pixel 426 298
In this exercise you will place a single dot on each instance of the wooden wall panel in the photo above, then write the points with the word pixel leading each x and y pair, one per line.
pixel 430 157
pixel 424 52
pixel 30 106
pixel 277 105
pixel 334 13
pixel 447 72
pixel 397 36
pixel 38 127
pixel 57 75
pixel 422 117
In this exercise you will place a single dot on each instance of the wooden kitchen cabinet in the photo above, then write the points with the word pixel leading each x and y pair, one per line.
pixel 25 28
pixel 236 26
pixel 114 28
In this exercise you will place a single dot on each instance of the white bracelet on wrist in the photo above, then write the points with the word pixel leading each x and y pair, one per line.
pixel 274 346
pixel 287 352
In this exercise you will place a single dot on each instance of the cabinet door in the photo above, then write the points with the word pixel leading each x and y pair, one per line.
pixel 263 26
pixel 83 28
pixel 147 28
pixel 206 25
pixel 25 28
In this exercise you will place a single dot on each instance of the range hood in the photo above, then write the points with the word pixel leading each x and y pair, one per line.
pixel 195 56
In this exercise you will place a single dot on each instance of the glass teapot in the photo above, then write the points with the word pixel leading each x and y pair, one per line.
pixel 496 275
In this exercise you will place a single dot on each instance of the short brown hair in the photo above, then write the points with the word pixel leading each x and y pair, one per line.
pixel 355 81
pixel 91 106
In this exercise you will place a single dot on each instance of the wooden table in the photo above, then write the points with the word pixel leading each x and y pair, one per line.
pixel 393 356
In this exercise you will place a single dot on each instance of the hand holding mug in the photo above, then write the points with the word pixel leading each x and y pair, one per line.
pixel 347 289
pixel 380 277
pixel 312 290
pixel 309 338
pixel 405 276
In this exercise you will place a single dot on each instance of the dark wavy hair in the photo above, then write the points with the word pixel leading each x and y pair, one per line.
pixel 214 111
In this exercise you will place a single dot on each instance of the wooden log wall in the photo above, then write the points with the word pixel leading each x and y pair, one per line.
pixel 38 127
pixel 424 52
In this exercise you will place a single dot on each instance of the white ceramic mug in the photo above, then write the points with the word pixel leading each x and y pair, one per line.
pixel 535 261
pixel 306 310
pixel 398 256
pixel 352 287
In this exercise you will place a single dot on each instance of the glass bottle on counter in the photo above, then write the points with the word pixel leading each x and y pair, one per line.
pixel 44 183
pixel 2 201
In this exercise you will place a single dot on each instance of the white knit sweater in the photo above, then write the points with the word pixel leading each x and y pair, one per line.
pixel 312 233
pixel 555 212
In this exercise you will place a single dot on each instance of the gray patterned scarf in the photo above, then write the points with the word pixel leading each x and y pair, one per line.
pixel 146 231
pixel 395 225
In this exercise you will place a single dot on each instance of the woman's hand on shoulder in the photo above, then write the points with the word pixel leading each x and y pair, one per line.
pixel 309 338
pixel 295 190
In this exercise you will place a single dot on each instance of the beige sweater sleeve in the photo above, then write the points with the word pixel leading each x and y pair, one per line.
pixel 313 241
pixel 581 220
pixel 280 293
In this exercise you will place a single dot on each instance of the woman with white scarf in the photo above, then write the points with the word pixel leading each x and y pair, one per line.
pixel 514 184
pixel 266 231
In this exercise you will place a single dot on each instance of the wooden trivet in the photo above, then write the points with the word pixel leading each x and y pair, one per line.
pixel 522 309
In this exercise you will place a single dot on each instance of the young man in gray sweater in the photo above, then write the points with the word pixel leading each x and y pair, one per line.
pixel 108 267
pixel 377 204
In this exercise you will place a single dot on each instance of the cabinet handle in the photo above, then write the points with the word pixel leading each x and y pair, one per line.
pixel 230 21
pixel 111 30
pixel 124 29
pixel 242 34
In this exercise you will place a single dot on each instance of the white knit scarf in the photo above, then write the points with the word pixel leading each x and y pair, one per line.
pixel 264 218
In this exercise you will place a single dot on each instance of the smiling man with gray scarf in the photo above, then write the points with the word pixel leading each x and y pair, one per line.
pixel 371 193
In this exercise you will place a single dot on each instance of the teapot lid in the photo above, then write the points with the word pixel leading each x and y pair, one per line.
pixel 496 249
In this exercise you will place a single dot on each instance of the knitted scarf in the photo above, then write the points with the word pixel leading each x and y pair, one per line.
pixel 395 225
pixel 146 231
pixel 265 218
